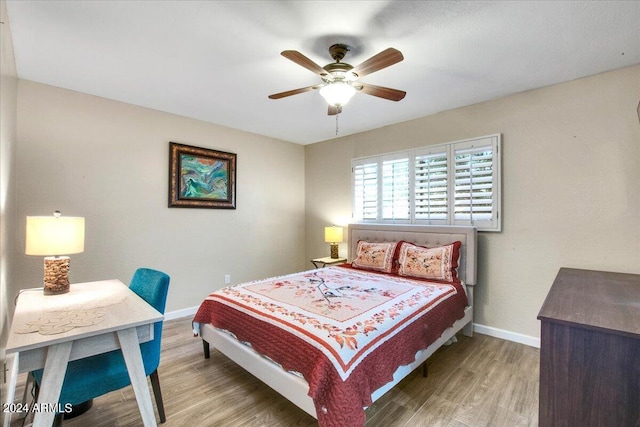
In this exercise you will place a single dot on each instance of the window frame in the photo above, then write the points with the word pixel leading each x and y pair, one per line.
pixel 472 147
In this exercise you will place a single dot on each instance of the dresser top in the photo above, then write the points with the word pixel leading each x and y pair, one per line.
pixel 595 300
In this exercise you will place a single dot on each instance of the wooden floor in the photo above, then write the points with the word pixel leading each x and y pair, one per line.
pixel 479 381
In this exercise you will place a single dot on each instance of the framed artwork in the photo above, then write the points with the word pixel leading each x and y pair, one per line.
pixel 201 178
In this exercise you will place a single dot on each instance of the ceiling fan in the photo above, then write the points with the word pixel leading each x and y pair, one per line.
pixel 340 80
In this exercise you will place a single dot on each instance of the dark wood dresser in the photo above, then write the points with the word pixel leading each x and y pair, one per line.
pixel 590 350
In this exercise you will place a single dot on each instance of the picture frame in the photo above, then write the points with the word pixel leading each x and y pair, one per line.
pixel 201 177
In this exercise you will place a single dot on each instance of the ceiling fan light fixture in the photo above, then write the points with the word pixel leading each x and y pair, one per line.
pixel 337 93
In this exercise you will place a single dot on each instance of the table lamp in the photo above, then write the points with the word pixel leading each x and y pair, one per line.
pixel 53 236
pixel 333 235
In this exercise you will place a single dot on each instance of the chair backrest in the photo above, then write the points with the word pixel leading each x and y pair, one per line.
pixel 153 287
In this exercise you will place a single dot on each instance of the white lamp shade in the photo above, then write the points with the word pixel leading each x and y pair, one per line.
pixel 337 93
pixel 333 234
pixel 48 235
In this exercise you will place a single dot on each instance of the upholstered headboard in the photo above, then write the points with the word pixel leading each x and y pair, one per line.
pixel 424 235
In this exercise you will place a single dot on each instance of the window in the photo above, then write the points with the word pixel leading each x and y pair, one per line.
pixel 365 191
pixel 449 184
pixel 430 188
pixel 395 188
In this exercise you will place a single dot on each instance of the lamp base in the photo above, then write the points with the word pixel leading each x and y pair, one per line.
pixel 334 250
pixel 56 275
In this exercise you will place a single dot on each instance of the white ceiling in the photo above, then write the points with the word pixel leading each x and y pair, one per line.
pixel 218 61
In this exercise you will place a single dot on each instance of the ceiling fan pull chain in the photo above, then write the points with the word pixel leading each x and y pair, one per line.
pixel 337 124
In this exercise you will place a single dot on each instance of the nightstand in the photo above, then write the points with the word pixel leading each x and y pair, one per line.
pixel 323 262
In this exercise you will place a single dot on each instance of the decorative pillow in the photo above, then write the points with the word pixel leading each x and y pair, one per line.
pixel 439 263
pixel 375 256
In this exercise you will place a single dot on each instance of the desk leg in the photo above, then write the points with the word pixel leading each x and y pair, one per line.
pixel 55 367
pixel 133 359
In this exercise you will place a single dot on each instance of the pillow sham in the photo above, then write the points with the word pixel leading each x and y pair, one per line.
pixel 438 263
pixel 375 256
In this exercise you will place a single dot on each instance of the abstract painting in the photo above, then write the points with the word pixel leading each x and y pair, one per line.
pixel 201 177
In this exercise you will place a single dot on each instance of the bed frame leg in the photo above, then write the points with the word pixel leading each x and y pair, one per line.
pixel 205 347
pixel 425 369
pixel 467 330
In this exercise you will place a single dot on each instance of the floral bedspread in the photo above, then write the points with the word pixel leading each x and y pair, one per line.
pixel 345 331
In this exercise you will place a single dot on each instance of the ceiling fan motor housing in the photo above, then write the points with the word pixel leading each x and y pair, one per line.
pixel 339 70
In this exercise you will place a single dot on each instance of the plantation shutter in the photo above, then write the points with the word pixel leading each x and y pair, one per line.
pixel 430 187
pixel 365 190
pixel 475 182
pixel 395 189
pixel 457 183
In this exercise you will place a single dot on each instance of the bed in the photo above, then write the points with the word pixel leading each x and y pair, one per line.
pixel 353 370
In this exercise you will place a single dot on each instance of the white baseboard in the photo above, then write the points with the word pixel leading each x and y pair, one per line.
pixel 481 329
pixel 190 311
pixel 507 335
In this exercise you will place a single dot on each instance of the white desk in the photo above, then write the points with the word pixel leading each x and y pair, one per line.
pixel 121 320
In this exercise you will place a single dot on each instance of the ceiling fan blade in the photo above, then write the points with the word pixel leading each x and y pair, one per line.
pixel 382 92
pixel 300 59
pixel 294 92
pixel 377 62
pixel 334 110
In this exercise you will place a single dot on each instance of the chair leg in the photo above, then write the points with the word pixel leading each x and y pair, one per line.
pixel 57 420
pixel 36 390
pixel 30 383
pixel 155 384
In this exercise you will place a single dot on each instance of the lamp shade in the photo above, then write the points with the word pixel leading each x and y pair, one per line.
pixel 337 93
pixel 333 234
pixel 51 235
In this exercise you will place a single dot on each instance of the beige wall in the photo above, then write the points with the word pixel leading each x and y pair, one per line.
pixel 108 161
pixel 570 178
pixel 8 91
pixel 571 172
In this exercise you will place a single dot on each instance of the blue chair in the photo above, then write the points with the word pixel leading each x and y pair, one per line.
pixel 94 376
